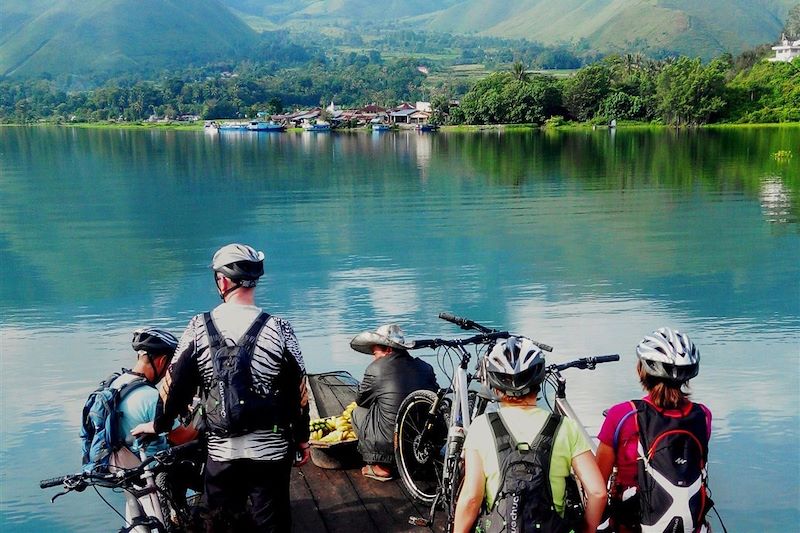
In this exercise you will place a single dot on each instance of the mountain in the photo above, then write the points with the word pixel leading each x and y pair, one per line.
pixel 106 37
pixel 692 27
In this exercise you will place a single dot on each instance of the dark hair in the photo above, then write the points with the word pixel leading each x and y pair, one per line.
pixel 665 394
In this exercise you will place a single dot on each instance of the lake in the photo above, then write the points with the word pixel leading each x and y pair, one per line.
pixel 585 240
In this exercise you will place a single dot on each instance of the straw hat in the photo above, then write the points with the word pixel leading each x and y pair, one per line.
pixel 386 335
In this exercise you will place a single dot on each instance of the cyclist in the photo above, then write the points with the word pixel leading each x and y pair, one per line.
pixel 392 375
pixel 515 369
pixel 253 461
pixel 666 360
pixel 154 348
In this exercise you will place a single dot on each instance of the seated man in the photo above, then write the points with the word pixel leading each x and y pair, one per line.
pixel 392 375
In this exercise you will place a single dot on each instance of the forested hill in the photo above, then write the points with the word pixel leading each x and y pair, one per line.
pixel 704 28
pixel 82 43
pixel 104 37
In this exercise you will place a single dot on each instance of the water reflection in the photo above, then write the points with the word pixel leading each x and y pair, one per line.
pixel 579 239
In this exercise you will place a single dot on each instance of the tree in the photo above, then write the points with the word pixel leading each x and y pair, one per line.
pixel 792 26
pixel 690 93
pixel 518 72
pixel 584 92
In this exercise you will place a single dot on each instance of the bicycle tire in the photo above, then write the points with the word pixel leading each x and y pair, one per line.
pixel 419 463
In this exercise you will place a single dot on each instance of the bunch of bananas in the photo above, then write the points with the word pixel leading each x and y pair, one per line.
pixel 333 428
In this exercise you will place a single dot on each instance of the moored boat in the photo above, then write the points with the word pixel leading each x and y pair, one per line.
pixel 427 127
pixel 232 126
pixel 317 126
pixel 381 127
pixel 259 125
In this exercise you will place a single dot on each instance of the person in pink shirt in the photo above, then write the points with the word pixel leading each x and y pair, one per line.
pixel 666 360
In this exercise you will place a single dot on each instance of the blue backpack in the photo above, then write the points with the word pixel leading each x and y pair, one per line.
pixel 100 422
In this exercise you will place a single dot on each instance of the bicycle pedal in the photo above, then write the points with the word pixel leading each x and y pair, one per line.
pixel 417 521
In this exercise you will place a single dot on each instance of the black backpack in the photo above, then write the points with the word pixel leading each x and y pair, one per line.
pixel 524 501
pixel 232 405
pixel 671 476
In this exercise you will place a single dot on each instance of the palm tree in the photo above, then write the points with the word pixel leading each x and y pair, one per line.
pixel 518 72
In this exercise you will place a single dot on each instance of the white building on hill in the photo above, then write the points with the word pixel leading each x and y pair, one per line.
pixel 786 50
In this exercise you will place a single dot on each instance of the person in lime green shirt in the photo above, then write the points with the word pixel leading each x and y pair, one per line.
pixel 515 369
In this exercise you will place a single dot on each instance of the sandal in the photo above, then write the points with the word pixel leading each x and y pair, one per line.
pixel 370 473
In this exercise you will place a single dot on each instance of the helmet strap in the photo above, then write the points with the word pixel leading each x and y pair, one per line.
pixel 224 294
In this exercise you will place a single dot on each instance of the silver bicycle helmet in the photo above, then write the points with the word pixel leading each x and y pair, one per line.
pixel 514 366
pixel 239 263
pixel 154 341
pixel 669 354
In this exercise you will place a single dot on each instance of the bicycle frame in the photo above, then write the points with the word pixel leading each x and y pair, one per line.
pixel 563 407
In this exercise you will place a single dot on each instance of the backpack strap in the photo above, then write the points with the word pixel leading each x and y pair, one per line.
pixel 504 442
pixel 250 336
pixel 544 443
pixel 215 339
pixel 622 421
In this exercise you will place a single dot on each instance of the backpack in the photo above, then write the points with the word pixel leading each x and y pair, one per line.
pixel 232 406
pixel 100 422
pixel 672 483
pixel 524 501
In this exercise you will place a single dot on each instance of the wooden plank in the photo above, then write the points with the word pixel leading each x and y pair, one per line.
pixel 387 503
pixel 340 507
pixel 305 515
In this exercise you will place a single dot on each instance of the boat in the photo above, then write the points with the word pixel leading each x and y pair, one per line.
pixel 381 127
pixel 232 126
pixel 259 125
pixel 317 126
pixel 427 127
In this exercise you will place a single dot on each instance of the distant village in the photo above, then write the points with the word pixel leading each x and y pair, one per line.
pixel 405 114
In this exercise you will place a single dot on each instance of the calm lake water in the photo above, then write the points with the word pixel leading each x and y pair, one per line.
pixel 584 240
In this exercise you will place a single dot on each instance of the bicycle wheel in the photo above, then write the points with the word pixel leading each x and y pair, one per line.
pixel 419 452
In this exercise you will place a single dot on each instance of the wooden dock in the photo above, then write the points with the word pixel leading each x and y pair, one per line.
pixel 333 501
pixel 339 501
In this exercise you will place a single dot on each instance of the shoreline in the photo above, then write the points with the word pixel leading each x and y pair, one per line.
pixel 467 128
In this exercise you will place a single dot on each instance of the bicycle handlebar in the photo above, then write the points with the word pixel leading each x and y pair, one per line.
pixel 52 482
pixel 466 323
pixel 477 339
pixel 586 362
pixel 117 477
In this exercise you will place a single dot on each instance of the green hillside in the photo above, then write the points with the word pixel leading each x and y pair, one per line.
pixel 705 28
pixel 104 37
pixel 692 27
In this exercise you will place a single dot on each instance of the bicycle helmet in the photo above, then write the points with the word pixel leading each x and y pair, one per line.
pixel 515 366
pixel 239 263
pixel 154 341
pixel 669 354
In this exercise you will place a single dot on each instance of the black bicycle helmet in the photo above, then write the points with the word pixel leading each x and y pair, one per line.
pixel 154 341
pixel 239 263
pixel 515 366
pixel 669 354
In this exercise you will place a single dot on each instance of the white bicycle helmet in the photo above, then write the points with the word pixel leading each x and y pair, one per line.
pixel 240 263
pixel 669 354
pixel 514 366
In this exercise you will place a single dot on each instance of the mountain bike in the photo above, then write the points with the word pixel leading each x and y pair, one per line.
pixel 431 427
pixel 153 501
